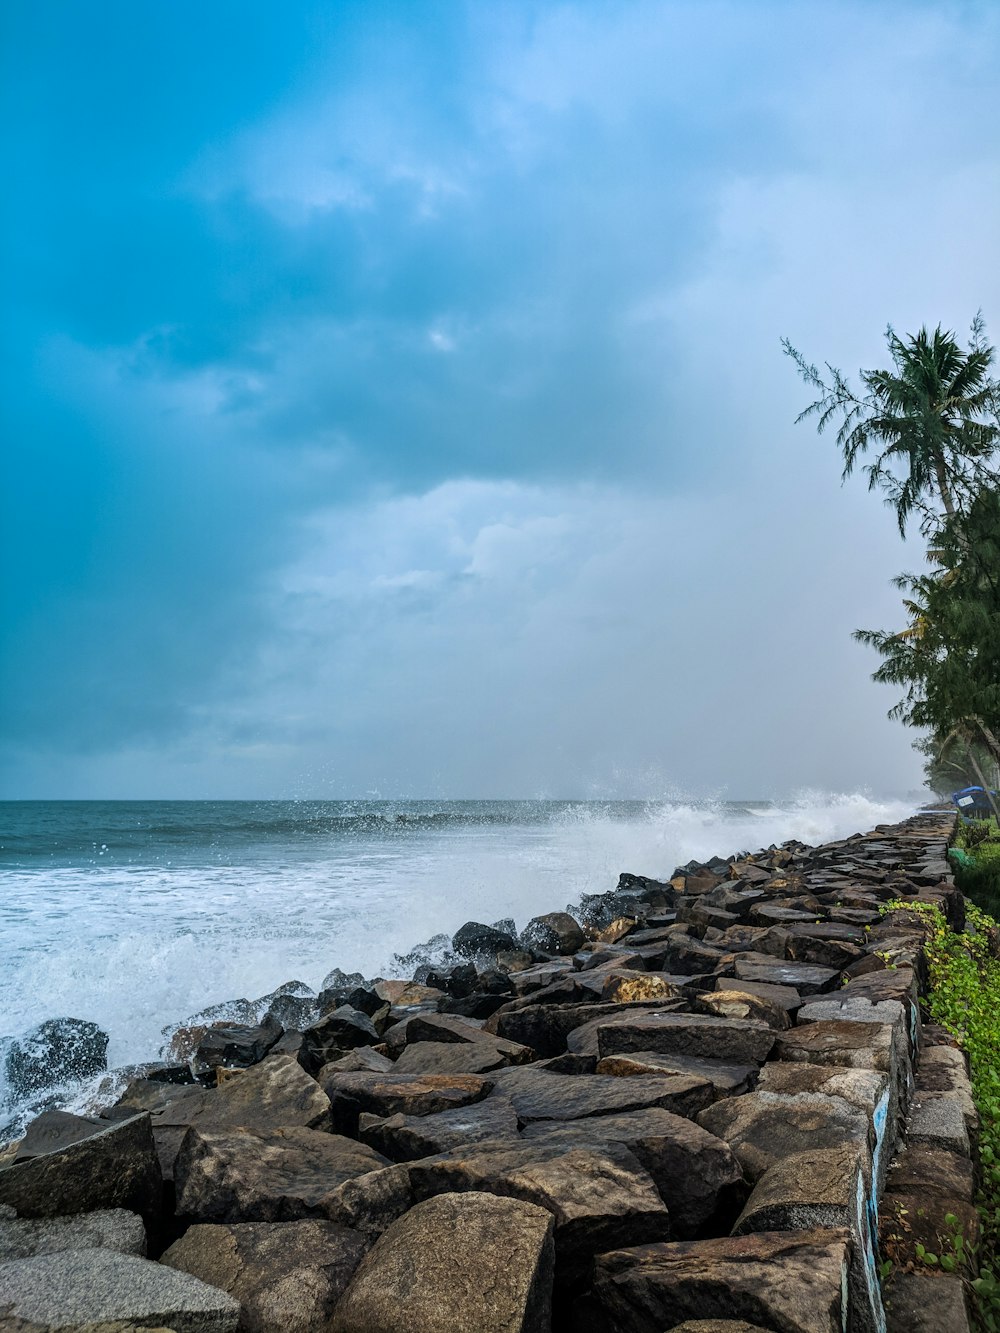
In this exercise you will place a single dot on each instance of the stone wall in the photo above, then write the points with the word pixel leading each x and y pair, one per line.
pixel 705 1104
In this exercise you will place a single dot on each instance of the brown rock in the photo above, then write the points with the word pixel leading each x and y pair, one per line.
pixel 540 1095
pixel 287 1276
pixel 455 1263
pixel 727 1080
pixel 280 1175
pixel 763 1128
pixel 397 1094
pixel 731 1039
pixel 782 1280
pixel 403 1138
pixel 734 1003
pixel 449 1057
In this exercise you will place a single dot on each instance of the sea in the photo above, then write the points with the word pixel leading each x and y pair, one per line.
pixel 137 914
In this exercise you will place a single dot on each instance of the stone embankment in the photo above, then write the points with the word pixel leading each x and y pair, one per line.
pixel 694 1105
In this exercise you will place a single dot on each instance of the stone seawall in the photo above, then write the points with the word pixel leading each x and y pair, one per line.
pixel 707 1104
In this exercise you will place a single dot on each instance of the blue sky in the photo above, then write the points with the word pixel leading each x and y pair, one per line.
pixel 393 400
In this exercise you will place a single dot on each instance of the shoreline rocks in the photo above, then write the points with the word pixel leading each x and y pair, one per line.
pixel 703 1102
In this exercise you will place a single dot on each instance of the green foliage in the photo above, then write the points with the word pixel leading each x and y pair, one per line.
pixel 964 997
pixel 933 417
pixel 980 880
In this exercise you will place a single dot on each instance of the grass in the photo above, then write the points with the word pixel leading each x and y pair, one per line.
pixel 979 880
pixel 964 997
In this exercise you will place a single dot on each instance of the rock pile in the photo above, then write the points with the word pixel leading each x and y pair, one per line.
pixel 678 1108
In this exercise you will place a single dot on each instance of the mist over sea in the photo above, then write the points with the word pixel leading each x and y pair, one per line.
pixel 134 914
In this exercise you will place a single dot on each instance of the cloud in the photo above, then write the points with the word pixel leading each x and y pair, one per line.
pixel 411 415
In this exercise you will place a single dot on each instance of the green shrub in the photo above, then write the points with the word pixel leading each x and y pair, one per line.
pixel 964 997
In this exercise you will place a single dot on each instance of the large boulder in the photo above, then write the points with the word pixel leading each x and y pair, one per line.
pixel 403 1138
pixel 696 1174
pixel 555 932
pixel 789 1280
pixel 287 1276
pixel 540 1095
pixel 279 1175
pixel 60 1050
pixel 763 1128
pixel 77 1289
pixel 454 1263
pixel 735 1040
pixel 598 1194
pixel 276 1094
pixel 115 1167
pixel 397 1094
pixel 338 1031
pixel 481 943
pixel 234 1045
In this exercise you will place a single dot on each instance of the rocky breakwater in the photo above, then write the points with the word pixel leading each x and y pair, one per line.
pixel 678 1106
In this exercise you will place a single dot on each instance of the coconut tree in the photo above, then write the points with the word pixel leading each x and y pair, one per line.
pixel 934 419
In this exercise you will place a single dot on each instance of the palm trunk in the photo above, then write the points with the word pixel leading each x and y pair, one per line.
pixel 943 489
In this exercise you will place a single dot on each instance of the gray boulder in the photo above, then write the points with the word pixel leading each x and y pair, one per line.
pixel 84 1287
pixel 106 1229
pixel 555 932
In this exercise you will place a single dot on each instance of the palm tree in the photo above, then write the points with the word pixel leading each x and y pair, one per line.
pixel 935 418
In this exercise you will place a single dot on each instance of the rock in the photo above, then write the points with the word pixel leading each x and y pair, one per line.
pixel 403 994
pixel 438 1057
pixel 292 1011
pixel 340 1030
pixel 806 978
pixel 717 1326
pixel 278 1175
pixel 276 1094
pixel 342 982
pixel 787 1280
pixel 787 997
pixel 541 1095
pixel 595 1194
pixel 106 1229
pixel 852 1045
pixel 451 1028
pixel 115 1167
pixel 627 987
pixel 763 1128
pixel 235 1044
pixel 481 943
pixel 287 1276
pixel 455 1263
pixel 824 1188
pixel 936 1118
pixel 545 1028
pixel 916 1303
pixel 734 1040
pixel 362 1060
pixel 397 1094
pixel 404 1138
pixel 696 1174
pixel 76 1288
pixel 727 1080
pixel 53 1130
pixel 60 1050
pixel 555 932
pixel 735 1003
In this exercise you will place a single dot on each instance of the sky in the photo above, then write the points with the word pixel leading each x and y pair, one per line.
pixel 393 401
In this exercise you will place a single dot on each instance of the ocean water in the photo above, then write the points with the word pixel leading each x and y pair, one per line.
pixel 135 914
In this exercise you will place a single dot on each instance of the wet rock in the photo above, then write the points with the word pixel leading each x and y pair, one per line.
pixel 546 1028
pixel 788 1280
pixel 342 982
pixel 115 1167
pixel 555 932
pixel 106 1229
pixel 726 1080
pixel 340 1030
pixel 287 1276
pixel 235 1045
pixel 292 1011
pixel 454 981
pixel 481 943
pixel 397 1094
pixel 78 1289
pixel 438 1270
pixel 735 1040
pixel 279 1175
pixel 696 1174
pixel 363 1059
pixel 764 1128
pixel 595 1194
pixel 541 1095
pixel 405 994
pixel 404 1138
pixel 60 1050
